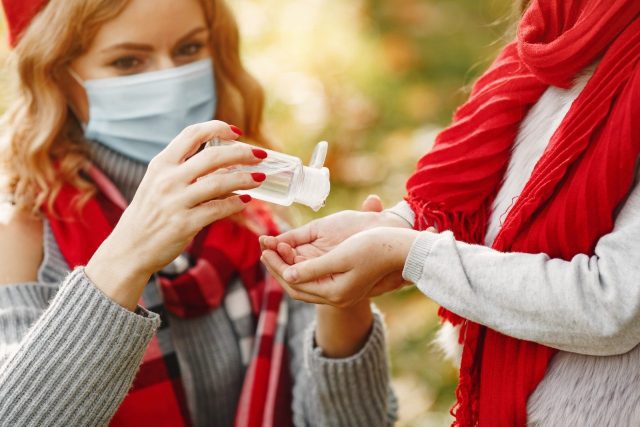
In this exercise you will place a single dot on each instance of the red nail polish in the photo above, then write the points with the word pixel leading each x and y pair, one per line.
pixel 261 154
pixel 258 176
pixel 245 198
pixel 236 130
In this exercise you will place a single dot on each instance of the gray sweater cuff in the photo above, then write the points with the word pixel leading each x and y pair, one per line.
pixel 340 383
pixel 418 254
pixel 77 362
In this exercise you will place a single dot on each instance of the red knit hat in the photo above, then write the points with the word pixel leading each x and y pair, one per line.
pixel 19 14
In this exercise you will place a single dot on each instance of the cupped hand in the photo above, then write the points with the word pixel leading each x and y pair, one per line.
pixel 179 195
pixel 322 235
pixel 364 265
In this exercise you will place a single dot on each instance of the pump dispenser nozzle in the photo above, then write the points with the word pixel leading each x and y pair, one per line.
pixel 315 181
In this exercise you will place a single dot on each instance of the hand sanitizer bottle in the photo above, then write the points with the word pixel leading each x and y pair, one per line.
pixel 288 180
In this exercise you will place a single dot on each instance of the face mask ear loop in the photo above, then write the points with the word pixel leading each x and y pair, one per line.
pixel 75 76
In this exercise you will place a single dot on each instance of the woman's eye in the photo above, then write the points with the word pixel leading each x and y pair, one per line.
pixel 190 49
pixel 126 63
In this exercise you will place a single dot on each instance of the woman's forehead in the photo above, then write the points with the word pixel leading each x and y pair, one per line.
pixel 158 23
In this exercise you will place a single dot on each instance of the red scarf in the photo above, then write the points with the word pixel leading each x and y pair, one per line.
pixel 572 195
pixel 222 251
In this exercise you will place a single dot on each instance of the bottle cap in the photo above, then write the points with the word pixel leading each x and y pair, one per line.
pixel 315 187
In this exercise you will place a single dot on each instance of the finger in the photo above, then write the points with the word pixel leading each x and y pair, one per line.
pixel 293 293
pixel 372 203
pixel 214 210
pixel 300 295
pixel 320 290
pixel 286 252
pixel 262 240
pixel 299 236
pixel 299 259
pixel 213 187
pixel 314 269
pixel 269 242
pixel 276 266
pixel 212 158
pixel 272 260
pixel 192 137
pixel 309 251
pixel 333 289
pixel 303 296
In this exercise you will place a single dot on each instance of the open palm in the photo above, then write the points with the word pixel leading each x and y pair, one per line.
pixel 322 235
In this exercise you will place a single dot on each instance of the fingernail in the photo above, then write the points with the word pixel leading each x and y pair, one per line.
pixel 290 275
pixel 245 198
pixel 258 176
pixel 236 130
pixel 261 154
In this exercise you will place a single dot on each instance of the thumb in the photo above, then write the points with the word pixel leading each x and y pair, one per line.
pixel 372 203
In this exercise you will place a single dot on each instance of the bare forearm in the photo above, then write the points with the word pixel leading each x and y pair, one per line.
pixel 341 332
pixel 117 276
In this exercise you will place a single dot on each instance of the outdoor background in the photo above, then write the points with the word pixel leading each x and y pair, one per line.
pixel 377 79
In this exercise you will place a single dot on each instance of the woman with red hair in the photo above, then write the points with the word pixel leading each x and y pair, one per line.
pixel 526 227
pixel 131 290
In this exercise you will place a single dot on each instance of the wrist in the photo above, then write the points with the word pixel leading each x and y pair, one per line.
pixel 395 244
pixel 119 277
pixel 392 219
pixel 342 332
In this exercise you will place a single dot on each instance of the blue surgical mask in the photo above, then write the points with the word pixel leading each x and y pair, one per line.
pixel 139 115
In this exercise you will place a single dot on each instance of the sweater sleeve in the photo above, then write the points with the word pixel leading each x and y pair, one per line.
pixel 71 362
pixel 354 391
pixel 404 211
pixel 588 305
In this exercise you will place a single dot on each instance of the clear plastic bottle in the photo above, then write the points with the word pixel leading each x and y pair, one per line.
pixel 288 180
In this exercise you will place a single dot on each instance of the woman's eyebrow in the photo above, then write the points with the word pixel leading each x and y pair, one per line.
pixel 148 48
pixel 128 46
pixel 190 34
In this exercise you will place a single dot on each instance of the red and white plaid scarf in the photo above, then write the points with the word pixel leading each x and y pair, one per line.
pixel 223 251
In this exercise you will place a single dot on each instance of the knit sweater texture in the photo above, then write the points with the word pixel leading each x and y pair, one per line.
pixel 68 354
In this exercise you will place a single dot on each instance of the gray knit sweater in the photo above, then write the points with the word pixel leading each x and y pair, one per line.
pixel 68 354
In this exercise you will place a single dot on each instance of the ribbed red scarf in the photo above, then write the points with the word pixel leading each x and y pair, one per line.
pixel 572 195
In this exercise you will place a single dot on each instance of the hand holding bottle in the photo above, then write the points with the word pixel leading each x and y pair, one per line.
pixel 288 181
pixel 179 195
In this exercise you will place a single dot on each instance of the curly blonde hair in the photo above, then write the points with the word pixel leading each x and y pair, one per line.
pixel 42 141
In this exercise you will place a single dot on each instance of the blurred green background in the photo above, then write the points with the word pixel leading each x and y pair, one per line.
pixel 377 79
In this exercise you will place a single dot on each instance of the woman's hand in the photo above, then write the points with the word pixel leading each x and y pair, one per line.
pixel 350 272
pixel 179 195
pixel 320 236
pixel 339 332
